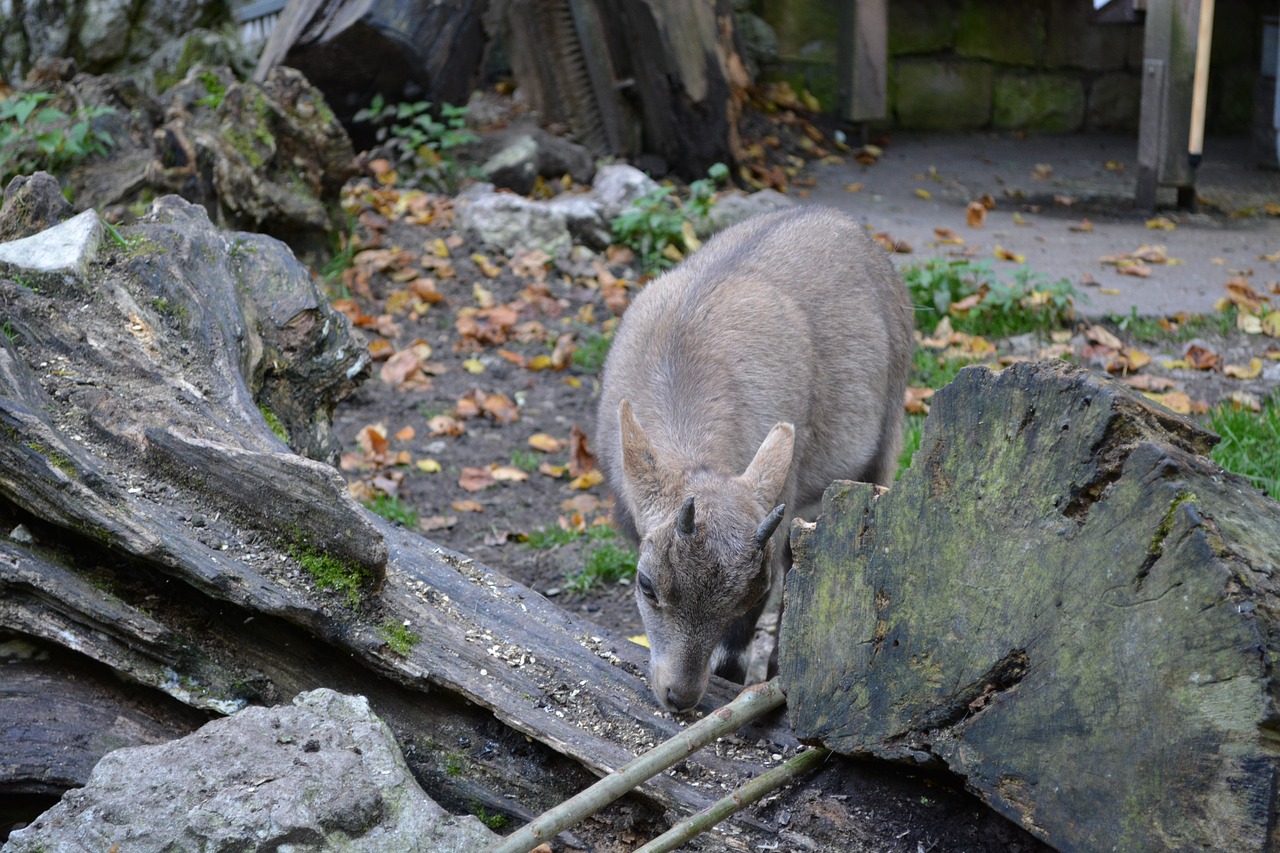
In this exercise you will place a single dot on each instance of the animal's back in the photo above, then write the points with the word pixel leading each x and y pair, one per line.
pixel 791 316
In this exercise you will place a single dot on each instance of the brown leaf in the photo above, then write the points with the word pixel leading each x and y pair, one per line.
pixel 976 214
pixel 467 505
pixel 508 473
pixel 380 349
pixel 562 355
pixel 1084 226
pixel 948 237
pixel 1147 382
pixel 372 439
pixel 584 504
pixel 437 522
pixel 1100 335
pixel 406 434
pixel 1200 358
pixel 476 479
pixel 914 400
pixel 581 459
pixel 892 244
pixel 445 425
pixel 545 443
pixel 501 408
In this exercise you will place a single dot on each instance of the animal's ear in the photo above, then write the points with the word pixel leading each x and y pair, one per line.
pixel 639 465
pixel 767 473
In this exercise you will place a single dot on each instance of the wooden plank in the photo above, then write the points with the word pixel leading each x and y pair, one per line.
pixel 862 57
pixel 1164 122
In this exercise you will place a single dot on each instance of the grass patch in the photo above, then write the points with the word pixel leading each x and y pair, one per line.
pixel 1250 443
pixel 1177 330
pixel 912 429
pixel 997 308
pixel 393 509
pixel 929 369
pixel 591 351
pixel 398 636
pixel 526 460
pixel 606 563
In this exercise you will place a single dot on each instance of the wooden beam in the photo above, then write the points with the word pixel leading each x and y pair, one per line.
pixel 862 59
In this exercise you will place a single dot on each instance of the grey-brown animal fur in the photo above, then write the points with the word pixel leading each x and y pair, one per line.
pixel 770 363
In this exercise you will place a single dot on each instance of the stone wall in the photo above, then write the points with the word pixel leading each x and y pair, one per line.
pixel 1037 65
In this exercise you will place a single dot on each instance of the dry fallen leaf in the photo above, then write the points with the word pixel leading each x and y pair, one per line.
pixel 406 434
pixel 1147 382
pixel 1084 225
pixel 581 459
pixel 924 194
pixel 587 480
pixel 1101 335
pixel 437 522
pixel 1252 371
pixel 1199 357
pixel 1246 400
pixel 445 425
pixel 428 466
pixel 372 439
pixel 584 504
pixel 508 473
pixel 476 479
pixel 1161 223
pixel 1005 255
pixel 1174 401
pixel 545 443
pixel 948 237
pixel 467 505
pixel 975 214
pixel 915 400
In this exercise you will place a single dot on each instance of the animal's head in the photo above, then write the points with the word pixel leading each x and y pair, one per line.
pixel 705 546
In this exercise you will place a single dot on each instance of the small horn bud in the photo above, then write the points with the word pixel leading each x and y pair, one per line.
pixel 770 524
pixel 684 521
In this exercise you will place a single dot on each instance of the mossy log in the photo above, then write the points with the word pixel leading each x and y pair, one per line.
pixel 1063 601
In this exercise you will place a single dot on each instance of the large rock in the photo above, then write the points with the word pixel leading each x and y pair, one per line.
pixel 931 94
pixel 1063 601
pixel 324 774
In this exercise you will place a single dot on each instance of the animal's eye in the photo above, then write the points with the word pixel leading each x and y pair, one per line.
pixel 646 586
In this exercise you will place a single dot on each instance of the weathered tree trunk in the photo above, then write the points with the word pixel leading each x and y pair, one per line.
pixel 1063 601
pixel 154 528
pixel 642 77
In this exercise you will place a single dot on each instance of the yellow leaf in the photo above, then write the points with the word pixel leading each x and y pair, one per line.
pixel 1174 401
pixel 594 477
pixel 639 640
pixel 1161 223
pixel 486 266
pixel 556 471
pixel 428 466
pixel 508 474
pixel 690 237
pixel 484 298
pixel 1109 291
pixel 473 365
pixel 1005 255
pixel 1253 371
pixel 539 362
pixel 1018 219
pixel 671 253
pixel 1250 324
pixel 1176 364
pixel 572 381
pixel 437 247
pixel 924 194
pixel 1271 324
pixel 545 443
pixel 853 188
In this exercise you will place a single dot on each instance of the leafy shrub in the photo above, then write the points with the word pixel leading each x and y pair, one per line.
pixel 420 140
pixel 34 137
pixel 658 226
pixel 999 308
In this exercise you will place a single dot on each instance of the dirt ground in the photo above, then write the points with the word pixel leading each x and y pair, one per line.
pixel 478 408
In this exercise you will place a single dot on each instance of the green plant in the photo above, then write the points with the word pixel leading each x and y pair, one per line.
pixel 217 91
pixel 393 509
pixel 657 226
pixel 330 572
pixel 1027 303
pixel 591 351
pixel 421 138
pixel 605 563
pixel 493 821
pixel 525 460
pixel 274 423
pixel 9 331
pixel 931 370
pixel 34 137
pixel 1250 443
pixel 398 636
pixel 912 429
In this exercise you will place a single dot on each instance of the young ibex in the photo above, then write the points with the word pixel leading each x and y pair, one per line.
pixel 738 386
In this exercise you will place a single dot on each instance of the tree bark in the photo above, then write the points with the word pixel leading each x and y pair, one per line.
pixel 1063 601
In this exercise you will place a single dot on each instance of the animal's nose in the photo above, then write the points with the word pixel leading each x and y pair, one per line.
pixel 680 702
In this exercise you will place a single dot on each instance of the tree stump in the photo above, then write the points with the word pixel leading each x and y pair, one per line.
pixel 1064 602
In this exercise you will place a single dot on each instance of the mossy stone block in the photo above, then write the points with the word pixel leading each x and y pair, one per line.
pixel 1007 33
pixel 930 94
pixel 1038 102
pixel 916 27
pixel 1114 102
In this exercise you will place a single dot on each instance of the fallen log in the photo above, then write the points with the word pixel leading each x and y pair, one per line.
pixel 154 526
pixel 1063 601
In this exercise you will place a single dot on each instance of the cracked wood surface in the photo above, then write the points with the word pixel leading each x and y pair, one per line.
pixel 1063 601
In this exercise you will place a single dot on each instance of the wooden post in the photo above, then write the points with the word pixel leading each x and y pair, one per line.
pixel 862 59
pixel 1168 71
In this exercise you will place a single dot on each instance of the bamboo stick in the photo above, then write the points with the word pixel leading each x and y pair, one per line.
pixel 750 704
pixel 1200 82
pixel 748 794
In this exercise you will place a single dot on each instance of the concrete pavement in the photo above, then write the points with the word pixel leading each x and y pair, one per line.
pixel 1089 176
